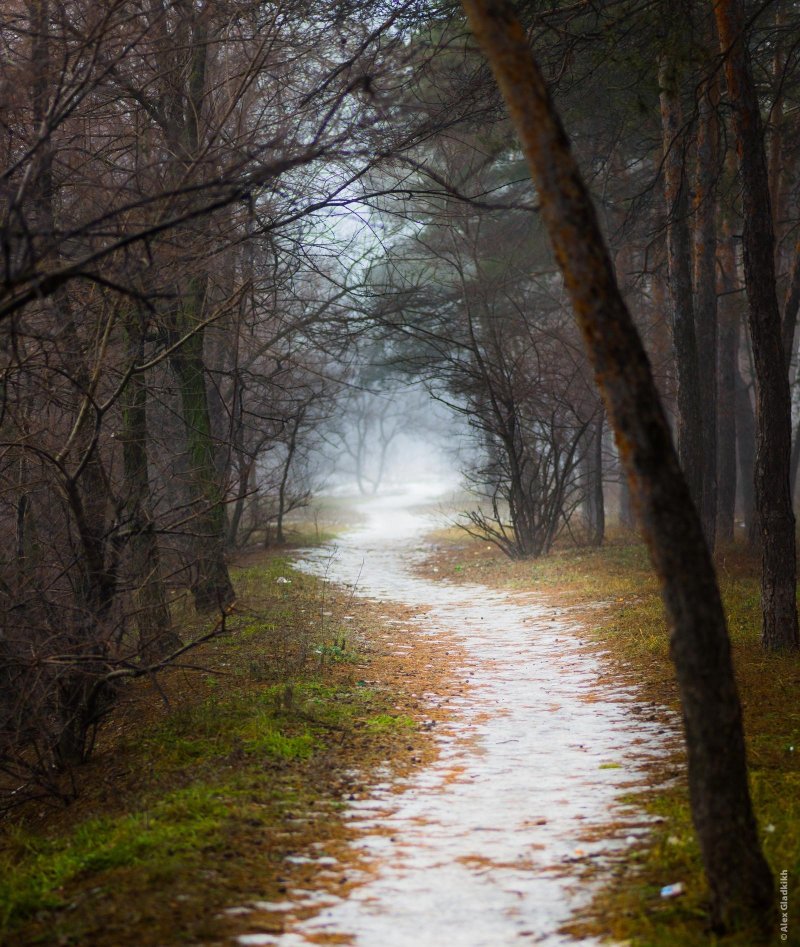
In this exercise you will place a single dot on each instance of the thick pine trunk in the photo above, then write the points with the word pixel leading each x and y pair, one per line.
pixel 739 877
pixel 773 405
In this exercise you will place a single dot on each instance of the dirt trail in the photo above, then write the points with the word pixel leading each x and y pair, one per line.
pixel 485 847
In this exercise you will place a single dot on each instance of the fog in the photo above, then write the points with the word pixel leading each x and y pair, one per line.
pixel 391 438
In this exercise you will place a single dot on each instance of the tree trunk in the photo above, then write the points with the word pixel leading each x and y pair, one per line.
pixel 186 104
pixel 212 588
pixel 243 468
pixel 593 474
pixel 790 308
pixel 746 453
pixel 627 518
pixel 739 877
pixel 776 123
pixel 726 402
pixel 291 448
pixel 795 460
pixel 85 486
pixel 705 281
pixel 156 637
pixel 679 266
pixel 773 405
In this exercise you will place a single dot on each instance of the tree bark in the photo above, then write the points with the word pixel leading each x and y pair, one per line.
pixel 291 447
pixel 627 519
pixel 85 487
pixel 773 404
pixel 679 267
pixel 593 473
pixel 153 620
pixel 726 402
pixel 705 299
pixel 186 104
pixel 244 469
pixel 739 877
pixel 795 460
pixel 790 308
pixel 746 454
pixel 212 588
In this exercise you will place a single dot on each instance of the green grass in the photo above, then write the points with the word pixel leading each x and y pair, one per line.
pixel 205 785
pixel 278 719
pixel 34 869
pixel 383 723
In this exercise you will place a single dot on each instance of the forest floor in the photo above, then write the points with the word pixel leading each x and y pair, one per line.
pixel 218 806
pixel 614 593
pixel 210 796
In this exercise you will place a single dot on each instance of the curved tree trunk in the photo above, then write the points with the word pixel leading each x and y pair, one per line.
pixel 739 877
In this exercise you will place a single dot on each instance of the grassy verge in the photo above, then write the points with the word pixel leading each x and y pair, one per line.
pixel 205 787
pixel 630 629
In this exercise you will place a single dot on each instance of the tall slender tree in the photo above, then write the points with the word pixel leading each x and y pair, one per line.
pixel 773 404
pixel 738 875
pixel 704 206
pixel 679 268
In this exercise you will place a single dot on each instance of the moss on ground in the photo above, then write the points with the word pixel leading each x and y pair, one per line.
pixel 201 787
pixel 631 631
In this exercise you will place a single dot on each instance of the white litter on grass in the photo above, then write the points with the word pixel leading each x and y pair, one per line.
pixel 672 891
pixel 478 848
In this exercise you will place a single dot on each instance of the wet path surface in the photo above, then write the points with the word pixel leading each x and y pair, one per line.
pixel 482 849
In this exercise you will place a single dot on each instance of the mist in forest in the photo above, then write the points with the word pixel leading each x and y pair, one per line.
pixel 383 441
pixel 253 255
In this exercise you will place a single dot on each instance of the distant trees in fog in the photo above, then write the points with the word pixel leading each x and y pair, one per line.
pixel 205 209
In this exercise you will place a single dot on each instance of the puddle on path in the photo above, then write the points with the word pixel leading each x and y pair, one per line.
pixel 480 849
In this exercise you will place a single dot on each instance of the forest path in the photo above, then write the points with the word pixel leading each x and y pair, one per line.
pixel 485 847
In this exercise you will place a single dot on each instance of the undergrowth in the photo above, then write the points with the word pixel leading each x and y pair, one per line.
pixel 185 806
